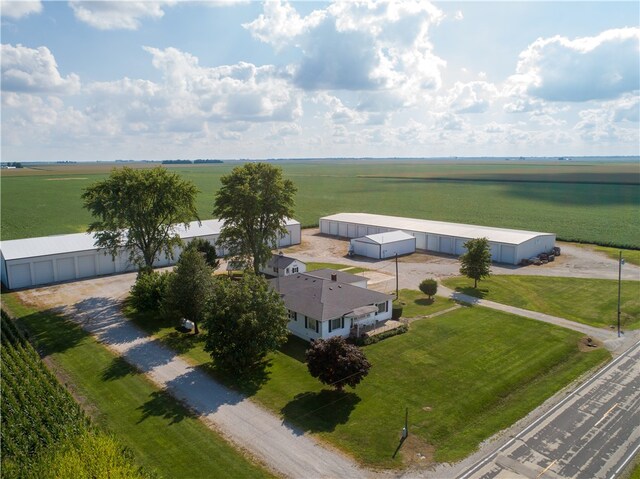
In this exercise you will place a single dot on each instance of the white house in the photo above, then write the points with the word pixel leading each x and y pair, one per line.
pixel 321 308
pixel 384 245
pixel 280 265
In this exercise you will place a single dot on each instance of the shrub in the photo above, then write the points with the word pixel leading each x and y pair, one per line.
pixel 367 340
pixel 396 310
pixel 149 290
pixel 429 287
pixel 336 363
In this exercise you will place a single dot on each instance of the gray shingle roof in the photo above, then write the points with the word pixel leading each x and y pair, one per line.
pixel 280 261
pixel 324 299
pixel 342 277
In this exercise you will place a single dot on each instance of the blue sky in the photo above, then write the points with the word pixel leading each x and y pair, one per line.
pixel 163 80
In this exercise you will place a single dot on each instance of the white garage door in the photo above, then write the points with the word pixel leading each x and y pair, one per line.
pixel 342 229
pixel 106 265
pixel 508 254
pixel 495 252
pixel 432 243
pixel 366 249
pixel 66 269
pixel 43 272
pixel 351 230
pixel 372 230
pixel 86 266
pixel 421 240
pixel 333 228
pixel 460 249
pixel 362 230
pixel 285 240
pixel 20 275
pixel 446 245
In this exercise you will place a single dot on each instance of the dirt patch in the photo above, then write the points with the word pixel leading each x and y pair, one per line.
pixel 417 453
pixel 587 344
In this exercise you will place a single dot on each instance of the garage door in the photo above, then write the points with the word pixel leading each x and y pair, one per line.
pixel 333 228
pixel 284 241
pixel 43 272
pixel 66 269
pixel 421 240
pixel 86 266
pixel 20 275
pixel 342 229
pixel 106 265
pixel 372 230
pixel 366 249
pixel 362 230
pixel 508 254
pixel 495 252
pixel 432 243
pixel 351 230
pixel 460 249
pixel 446 245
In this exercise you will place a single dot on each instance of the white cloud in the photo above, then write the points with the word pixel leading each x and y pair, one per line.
pixel 357 45
pixel 472 97
pixel 19 8
pixel 117 15
pixel 589 68
pixel 34 70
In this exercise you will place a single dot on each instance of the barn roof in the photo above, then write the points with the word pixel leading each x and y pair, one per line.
pixel 71 243
pixel 459 230
pixel 386 238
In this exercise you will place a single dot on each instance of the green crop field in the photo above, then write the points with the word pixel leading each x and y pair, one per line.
pixel 588 202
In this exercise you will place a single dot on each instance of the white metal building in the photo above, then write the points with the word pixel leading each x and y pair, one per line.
pixel 507 245
pixel 51 259
pixel 384 245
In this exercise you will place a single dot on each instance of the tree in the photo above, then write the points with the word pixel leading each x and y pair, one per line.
pixel 254 203
pixel 190 287
pixel 429 287
pixel 336 363
pixel 149 291
pixel 245 320
pixel 139 210
pixel 207 250
pixel 476 262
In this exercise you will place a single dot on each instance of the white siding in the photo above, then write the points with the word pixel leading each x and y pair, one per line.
pixel 446 245
pixel 43 272
pixel 507 254
pixel 19 275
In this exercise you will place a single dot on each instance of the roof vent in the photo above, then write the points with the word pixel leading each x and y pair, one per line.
pixel 334 276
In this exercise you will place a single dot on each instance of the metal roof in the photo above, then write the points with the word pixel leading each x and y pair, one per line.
pixel 386 238
pixel 60 244
pixel 497 235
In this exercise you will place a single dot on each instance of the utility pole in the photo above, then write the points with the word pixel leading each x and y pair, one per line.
pixel 397 294
pixel 620 263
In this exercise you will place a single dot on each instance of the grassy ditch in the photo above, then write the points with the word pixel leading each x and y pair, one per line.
pixel 588 301
pixel 464 376
pixel 163 435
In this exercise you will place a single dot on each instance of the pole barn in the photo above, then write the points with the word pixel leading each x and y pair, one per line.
pixel 507 245
pixel 384 245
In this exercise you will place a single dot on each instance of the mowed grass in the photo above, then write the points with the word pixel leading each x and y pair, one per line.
pixel 163 435
pixel 587 202
pixel 464 376
pixel 416 303
pixel 312 266
pixel 588 301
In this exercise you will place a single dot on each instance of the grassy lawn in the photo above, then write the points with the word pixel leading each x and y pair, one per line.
pixel 164 436
pixel 630 255
pixel 418 304
pixel 312 266
pixel 589 301
pixel 463 375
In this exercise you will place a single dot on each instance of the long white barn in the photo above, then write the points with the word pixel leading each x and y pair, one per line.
pixel 32 262
pixel 507 245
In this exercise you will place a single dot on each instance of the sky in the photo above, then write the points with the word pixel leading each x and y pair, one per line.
pixel 88 81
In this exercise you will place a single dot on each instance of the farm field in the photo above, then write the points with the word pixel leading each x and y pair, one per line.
pixel 517 364
pixel 588 301
pixel 163 435
pixel 587 202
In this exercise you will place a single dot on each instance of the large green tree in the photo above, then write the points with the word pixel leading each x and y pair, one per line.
pixel 246 320
pixel 476 262
pixel 190 287
pixel 138 210
pixel 254 203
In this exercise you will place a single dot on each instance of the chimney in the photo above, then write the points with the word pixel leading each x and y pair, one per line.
pixel 334 276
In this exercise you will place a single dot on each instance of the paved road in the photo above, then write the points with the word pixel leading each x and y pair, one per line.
pixel 594 433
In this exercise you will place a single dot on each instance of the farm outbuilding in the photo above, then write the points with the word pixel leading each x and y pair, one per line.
pixel 384 245
pixel 507 245
pixel 32 262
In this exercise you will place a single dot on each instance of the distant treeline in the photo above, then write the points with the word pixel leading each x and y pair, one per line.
pixel 14 164
pixel 189 162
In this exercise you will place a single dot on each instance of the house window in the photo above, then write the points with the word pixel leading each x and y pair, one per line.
pixel 275 270
pixel 382 307
pixel 293 316
pixel 286 271
pixel 313 324
pixel 337 323
pixel 294 270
